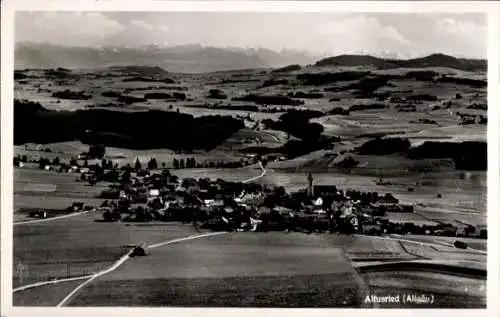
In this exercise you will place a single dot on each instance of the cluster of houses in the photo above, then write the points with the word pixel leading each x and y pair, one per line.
pixel 223 205
pixel 143 195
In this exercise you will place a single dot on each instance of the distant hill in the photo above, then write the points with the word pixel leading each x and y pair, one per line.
pixel 140 70
pixel 181 59
pixel 289 68
pixel 434 60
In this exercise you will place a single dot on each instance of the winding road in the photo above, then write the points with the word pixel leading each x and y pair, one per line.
pixel 49 219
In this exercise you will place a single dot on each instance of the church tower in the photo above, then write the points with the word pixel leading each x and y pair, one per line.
pixel 310 186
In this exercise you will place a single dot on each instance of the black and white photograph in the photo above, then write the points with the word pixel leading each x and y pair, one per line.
pixel 226 159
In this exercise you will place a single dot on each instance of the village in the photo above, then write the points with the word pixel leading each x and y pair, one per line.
pixel 147 193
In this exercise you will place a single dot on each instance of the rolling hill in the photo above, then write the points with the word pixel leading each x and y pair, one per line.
pixel 433 60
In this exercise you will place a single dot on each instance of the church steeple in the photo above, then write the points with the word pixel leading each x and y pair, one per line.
pixel 310 187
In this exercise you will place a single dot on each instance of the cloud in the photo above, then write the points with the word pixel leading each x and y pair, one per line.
pixel 361 28
pixel 388 34
pixel 164 28
pixel 141 25
pixel 460 28
pixel 467 36
pixel 78 24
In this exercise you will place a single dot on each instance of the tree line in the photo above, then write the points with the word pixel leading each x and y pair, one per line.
pixel 153 129
pixel 192 163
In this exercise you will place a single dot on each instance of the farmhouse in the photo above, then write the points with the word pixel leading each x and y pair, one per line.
pixel 325 190
pixel 388 199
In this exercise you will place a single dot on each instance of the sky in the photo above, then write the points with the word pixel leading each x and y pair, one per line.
pixel 398 34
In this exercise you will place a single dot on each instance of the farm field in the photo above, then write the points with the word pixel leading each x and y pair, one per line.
pixel 44 296
pixel 457 195
pixel 230 175
pixel 40 189
pixel 67 150
pixel 358 128
pixel 461 200
pixel 223 264
pixel 88 247
pixel 402 217
pixel 465 292
pixel 191 272
pixel 477 244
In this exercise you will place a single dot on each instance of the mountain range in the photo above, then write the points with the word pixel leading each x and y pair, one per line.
pixel 181 59
pixel 200 59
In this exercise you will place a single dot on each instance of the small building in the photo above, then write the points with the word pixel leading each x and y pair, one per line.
pixel 153 193
pixel 388 199
pixel 18 163
pixel 325 190
pixel 480 231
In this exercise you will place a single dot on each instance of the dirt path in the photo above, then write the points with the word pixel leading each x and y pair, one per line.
pixel 49 219
pixel 256 177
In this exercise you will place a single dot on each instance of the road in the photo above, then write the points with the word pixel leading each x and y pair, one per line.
pixel 258 176
pixel 49 219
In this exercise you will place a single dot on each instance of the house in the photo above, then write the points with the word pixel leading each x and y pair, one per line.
pixel 480 231
pixel 371 227
pixel 154 192
pixel 388 199
pixel 18 163
pixel 483 231
pixel 447 230
pixel 318 202
pixel 325 190
pixel 407 208
pixel 282 210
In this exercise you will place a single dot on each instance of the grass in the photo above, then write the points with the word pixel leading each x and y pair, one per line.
pixel 46 249
pixel 458 195
pixel 449 292
pixel 402 217
pixel 363 248
pixel 48 295
pixel 227 270
pixel 334 290
pixel 230 175
pixel 67 150
pixel 478 244
pixel 34 188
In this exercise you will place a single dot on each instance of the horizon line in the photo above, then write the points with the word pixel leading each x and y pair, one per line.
pixel 322 55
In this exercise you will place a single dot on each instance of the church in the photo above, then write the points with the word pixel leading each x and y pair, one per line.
pixel 315 191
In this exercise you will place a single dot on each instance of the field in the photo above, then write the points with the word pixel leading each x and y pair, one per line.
pixel 40 189
pixel 461 199
pixel 466 292
pixel 88 247
pixel 257 269
pixel 300 270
